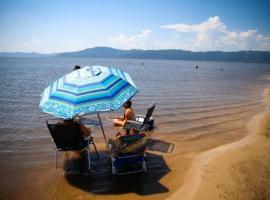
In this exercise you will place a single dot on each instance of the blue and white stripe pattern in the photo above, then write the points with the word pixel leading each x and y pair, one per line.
pixel 88 90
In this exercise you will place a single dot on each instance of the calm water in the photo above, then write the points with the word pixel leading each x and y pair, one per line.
pixel 191 101
pixel 182 92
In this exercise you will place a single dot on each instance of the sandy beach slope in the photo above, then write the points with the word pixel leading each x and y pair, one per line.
pixel 239 170
pixel 233 165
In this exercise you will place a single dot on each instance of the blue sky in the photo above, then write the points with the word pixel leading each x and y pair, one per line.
pixel 69 25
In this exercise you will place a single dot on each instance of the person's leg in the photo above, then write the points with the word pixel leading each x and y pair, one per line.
pixel 118 122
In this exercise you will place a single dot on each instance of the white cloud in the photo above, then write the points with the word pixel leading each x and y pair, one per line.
pixel 128 42
pixel 264 41
pixel 213 23
pixel 213 34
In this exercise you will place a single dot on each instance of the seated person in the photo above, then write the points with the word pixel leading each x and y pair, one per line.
pixel 132 143
pixel 128 115
pixel 85 130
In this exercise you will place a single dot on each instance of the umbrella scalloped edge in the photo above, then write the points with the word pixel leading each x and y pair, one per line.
pixel 67 112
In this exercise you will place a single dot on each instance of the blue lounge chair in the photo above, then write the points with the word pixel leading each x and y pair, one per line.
pixel 127 154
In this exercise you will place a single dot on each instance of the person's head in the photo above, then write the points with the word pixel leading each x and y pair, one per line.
pixel 133 131
pixel 68 120
pixel 77 67
pixel 128 104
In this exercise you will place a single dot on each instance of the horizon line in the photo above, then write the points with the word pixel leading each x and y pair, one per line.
pixel 35 52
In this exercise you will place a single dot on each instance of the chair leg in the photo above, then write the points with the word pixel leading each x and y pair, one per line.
pixel 114 172
pixel 89 162
pixel 144 166
pixel 55 158
pixel 95 148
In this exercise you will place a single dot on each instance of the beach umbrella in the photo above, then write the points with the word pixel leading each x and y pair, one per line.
pixel 89 90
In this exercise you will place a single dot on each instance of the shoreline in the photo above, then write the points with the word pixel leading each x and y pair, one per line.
pixel 186 173
pixel 213 169
pixel 179 163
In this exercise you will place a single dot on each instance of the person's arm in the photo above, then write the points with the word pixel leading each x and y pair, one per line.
pixel 85 130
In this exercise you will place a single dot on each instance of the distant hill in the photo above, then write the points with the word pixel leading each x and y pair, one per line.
pixel 169 54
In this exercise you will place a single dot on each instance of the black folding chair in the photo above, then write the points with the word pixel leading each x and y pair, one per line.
pixel 142 123
pixel 68 137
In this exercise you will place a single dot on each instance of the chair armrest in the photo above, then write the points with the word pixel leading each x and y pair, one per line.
pixel 133 122
pixel 140 118
pixel 87 138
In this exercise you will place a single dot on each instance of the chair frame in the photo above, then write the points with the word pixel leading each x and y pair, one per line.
pixel 114 169
pixel 141 126
pixel 89 140
pixel 132 155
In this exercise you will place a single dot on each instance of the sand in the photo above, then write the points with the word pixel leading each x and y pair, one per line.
pixel 239 170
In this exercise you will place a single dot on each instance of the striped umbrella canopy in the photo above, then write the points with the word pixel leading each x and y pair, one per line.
pixel 88 90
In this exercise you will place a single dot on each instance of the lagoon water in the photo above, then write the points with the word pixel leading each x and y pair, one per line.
pixel 186 96
pixel 216 98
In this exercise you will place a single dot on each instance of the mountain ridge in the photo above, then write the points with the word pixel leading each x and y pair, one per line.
pixel 165 54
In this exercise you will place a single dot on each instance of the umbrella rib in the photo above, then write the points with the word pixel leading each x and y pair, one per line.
pixel 92 99
pixel 88 84
pixel 89 92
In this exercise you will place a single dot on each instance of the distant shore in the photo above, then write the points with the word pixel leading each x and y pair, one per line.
pixel 163 54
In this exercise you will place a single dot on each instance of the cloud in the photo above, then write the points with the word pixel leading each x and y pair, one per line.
pixel 128 42
pixel 264 41
pixel 213 23
pixel 209 35
pixel 213 34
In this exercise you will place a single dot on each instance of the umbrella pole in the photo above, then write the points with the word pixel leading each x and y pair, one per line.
pixel 100 122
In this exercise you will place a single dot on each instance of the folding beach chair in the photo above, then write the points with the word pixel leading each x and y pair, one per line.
pixel 127 154
pixel 141 122
pixel 69 137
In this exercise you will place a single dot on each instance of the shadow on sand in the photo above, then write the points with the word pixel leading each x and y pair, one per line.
pixel 101 180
